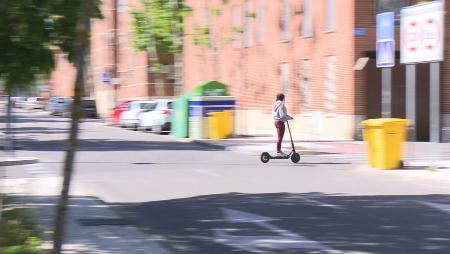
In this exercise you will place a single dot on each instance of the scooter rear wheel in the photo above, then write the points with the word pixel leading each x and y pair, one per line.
pixel 265 157
pixel 295 157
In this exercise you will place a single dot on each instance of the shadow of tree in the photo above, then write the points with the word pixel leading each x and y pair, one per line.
pixel 102 145
pixel 364 224
pixel 92 227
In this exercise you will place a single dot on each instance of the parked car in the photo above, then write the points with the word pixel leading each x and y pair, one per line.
pixel 35 103
pixel 130 117
pixel 62 107
pixel 117 112
pixel 52 104
pixel 157 119
pixel 19 102
pixel 89 108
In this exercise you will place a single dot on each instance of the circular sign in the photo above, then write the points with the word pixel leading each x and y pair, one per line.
pixel 430 34
pixel 412 36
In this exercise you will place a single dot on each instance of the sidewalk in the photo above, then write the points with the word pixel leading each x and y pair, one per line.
pixel 415 154
pixel 92 226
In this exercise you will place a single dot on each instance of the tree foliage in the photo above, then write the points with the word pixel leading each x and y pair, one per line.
pixel 30 30
pixel 160 22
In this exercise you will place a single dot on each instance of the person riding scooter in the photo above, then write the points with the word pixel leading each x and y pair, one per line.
pixel 279 113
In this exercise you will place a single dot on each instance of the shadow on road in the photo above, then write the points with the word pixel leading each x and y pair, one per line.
pixel 364 224
pixel 282 223
pixel 104 145
pixel 92 227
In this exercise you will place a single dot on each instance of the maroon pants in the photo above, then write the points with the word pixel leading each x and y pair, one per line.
pixel 280 131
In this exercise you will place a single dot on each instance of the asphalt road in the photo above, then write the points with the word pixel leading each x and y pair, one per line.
pixel 198 199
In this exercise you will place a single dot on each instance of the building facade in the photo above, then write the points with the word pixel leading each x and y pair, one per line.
pixel 312 51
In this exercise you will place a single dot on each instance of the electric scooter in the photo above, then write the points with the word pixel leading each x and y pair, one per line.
pixel 293 155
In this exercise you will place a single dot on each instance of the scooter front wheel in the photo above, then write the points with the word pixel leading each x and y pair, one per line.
pixel 295 157
pixel 265 157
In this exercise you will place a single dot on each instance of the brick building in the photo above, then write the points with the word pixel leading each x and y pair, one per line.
pixel 308 50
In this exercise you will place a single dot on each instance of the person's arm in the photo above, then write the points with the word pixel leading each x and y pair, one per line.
pixel 284 116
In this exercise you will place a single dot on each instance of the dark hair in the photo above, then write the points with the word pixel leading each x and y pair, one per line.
pixel 280 97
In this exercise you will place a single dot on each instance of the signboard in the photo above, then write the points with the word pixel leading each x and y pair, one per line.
pixel 422 33
pixel 359 32
pixel 385 40
pixel 106 77
pixel 385 53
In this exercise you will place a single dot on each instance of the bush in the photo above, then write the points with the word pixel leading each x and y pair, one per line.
pixel 18 236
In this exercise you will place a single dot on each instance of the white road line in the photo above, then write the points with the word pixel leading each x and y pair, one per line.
pixel 319 203
pixel 40 171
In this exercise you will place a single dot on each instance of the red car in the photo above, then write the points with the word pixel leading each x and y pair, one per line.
pixel 118 110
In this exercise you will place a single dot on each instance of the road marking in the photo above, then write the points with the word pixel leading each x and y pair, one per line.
pixel 40 170
pixel 441 207
pixel 319 203
pixel 281 240
pixel 207 173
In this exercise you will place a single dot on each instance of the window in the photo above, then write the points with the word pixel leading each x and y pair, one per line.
pixel 285 20
pixel 307 18
pixel 392 5
pixel 237 26
pixel 284 77
pixel 122 6
pixel 260 14
pixel 305 83
pixel 330 84
pixel 248 17
pixel 330 15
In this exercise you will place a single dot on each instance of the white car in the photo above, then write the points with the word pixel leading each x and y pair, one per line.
pixel 35 103
pixel 130 117
pixel 19 102
pixel 157 119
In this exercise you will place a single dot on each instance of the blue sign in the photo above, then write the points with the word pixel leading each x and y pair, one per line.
pixel 385 26
pixel 385 40
pixel 385 53
pixel 106 77
pixel 359 32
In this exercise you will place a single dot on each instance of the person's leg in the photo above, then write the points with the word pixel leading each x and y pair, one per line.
pixel 283 129
pixel 280 133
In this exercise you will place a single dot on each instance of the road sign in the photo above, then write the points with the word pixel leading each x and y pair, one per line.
pixel 385 40
pixel 106 77
pixel 385 26
pixel 422 33
pixel 385 53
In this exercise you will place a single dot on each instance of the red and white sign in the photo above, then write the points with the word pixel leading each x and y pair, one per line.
pixel 422 33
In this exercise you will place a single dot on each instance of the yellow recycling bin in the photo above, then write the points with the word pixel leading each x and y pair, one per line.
pixel 385 137
pixel 220 124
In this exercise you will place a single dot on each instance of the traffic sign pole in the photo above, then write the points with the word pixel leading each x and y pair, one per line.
pixel 411 100
pixel 435 102
pixel 386 95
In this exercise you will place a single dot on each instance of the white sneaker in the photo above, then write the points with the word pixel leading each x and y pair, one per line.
pixel 281 154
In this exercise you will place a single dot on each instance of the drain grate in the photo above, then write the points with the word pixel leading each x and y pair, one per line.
pixel 92 222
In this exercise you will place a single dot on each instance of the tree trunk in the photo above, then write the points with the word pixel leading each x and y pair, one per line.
pixel 82 44
pixel 9 144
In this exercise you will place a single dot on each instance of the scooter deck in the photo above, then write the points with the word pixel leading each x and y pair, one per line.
pixel 279 157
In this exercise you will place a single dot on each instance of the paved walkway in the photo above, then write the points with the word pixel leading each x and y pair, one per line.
pixel 92 226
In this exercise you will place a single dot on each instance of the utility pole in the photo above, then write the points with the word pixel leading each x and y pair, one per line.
pixel 115 69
